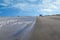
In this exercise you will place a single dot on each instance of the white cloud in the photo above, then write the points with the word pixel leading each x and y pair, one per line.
pixel 47 1
pixel 47 6
pixel 57 2
pixel 53 7
pixel 26 6
pixel 7 1
pixel 3 4
pixel 46 10
pixel 21 6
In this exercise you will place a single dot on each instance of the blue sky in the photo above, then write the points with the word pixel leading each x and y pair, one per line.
pixel 29 7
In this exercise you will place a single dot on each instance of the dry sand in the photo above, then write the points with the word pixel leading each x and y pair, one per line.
pixel 46 28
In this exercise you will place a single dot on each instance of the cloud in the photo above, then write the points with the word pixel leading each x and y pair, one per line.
pixel 56 2
pixel 21 6
pixel 25 6
pixel 3 4
pixel 47 10
pixel 7 1
pixel 50 6
pixel 53 7
pixel 47 6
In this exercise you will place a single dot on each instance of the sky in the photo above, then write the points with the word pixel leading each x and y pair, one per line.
pixel 29 7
